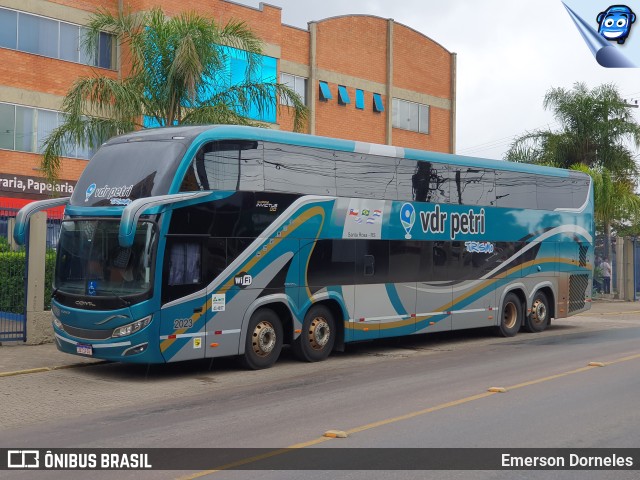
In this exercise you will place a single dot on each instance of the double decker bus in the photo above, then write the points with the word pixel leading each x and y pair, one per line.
pixel 208 241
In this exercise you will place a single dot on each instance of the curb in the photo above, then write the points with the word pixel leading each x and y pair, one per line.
pixel 51 369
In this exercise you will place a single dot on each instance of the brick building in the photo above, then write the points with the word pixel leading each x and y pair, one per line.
pixel 363 78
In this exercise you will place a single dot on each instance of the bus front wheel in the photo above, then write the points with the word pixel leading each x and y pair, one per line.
pixel 538 320
pixel 318 335
pixel 264 340
pixel 510 315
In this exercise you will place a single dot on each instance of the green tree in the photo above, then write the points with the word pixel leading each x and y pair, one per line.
pixel 172 63
pixel 596 129
pixel 614 199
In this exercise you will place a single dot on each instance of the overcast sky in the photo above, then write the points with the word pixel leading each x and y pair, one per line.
pixel 510 53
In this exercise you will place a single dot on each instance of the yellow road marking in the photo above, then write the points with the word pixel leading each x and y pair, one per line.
pixel 407 416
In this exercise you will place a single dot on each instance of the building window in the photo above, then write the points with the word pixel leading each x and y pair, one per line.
pixel 343 95
pixel 410 116
pixel 378 105
pixel 360 99
pixel 25 129
pixel 297 84
pixel 325 93
pixel 54 39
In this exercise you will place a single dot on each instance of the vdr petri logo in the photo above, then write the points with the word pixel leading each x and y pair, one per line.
pixel 23 459
pixel 407 218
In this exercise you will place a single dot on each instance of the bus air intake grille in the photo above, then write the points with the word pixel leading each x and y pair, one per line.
pixel 583 255
pixel 87 334
pixel 577 290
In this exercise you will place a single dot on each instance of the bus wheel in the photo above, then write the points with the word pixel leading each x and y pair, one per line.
pixel 510 316
pixel 264 340
pixel 318 335
pixel 538 320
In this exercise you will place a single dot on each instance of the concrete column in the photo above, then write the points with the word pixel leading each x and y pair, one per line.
pixel 627 279
pixel 11 223
pixel 389 92
pixel 38 324
pixel 454 77
pixel 620 260
pixel 118 46
pixel 312 85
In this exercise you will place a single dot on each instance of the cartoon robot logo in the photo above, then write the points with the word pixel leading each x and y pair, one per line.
pixel 615 23
pixel 407 218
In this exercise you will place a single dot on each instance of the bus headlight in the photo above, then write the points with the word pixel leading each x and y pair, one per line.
pixel 57 323
pixel 131 328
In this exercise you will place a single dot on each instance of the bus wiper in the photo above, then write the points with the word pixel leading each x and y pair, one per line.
pixel 123 300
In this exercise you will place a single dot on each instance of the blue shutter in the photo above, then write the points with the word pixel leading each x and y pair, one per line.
pixel 378 106
pixel 325 93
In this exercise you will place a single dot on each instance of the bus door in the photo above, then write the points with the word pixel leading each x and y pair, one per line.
pixel 474 296
pixel 183 314
pixel 374 308
pixel 434 289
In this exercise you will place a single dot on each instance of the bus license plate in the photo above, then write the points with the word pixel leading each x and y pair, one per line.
pixel 84 349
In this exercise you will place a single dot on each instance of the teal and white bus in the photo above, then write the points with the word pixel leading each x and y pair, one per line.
pixel 208 241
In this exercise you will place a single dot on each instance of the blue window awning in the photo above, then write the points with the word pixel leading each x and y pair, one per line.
pixel 378 105
pixel 325 93
pixel 343 95
pixel 360 99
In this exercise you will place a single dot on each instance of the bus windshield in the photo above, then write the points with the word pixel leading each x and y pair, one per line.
pixel 91 262
pixel 123 172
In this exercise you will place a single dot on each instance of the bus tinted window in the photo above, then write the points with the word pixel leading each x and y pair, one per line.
pixel 404 261
pixel 580 188
pixel 290 168
pixel 366 176
pixel 243 214
pixel 372 261
pixel 516 190
pixel 472 186
pixel 423 181
pixel 226 165
pixel 553 192
pixel 332 263
pixel 127 171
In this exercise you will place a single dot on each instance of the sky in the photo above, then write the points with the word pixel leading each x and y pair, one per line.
pixel 509 54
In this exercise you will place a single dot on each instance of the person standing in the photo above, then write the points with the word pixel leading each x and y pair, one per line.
pixel 605 266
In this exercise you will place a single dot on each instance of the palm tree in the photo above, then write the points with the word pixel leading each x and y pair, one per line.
pixel 176 75
pixel 596 128
pixel 596 131
pixel 614 198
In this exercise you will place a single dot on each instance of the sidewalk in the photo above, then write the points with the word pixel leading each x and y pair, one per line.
pixel 17 358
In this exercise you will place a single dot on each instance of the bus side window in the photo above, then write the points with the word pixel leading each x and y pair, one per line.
pixel 226 165
pixel 184 263
pixel 423 181
pixel 473 186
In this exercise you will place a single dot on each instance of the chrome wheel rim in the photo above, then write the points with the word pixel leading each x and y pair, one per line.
pixel 319 333
pixel 263 339
pixel 539 312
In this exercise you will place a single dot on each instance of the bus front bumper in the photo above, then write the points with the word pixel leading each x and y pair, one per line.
pixel 136 348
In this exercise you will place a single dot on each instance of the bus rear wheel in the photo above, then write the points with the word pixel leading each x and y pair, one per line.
pixel 538 319
pixel 318 335
pixel 510 315
pixel 264 340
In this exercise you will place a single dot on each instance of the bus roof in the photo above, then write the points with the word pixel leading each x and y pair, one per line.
pixel 199 134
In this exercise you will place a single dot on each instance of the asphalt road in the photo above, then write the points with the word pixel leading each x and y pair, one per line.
pixel 425 392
